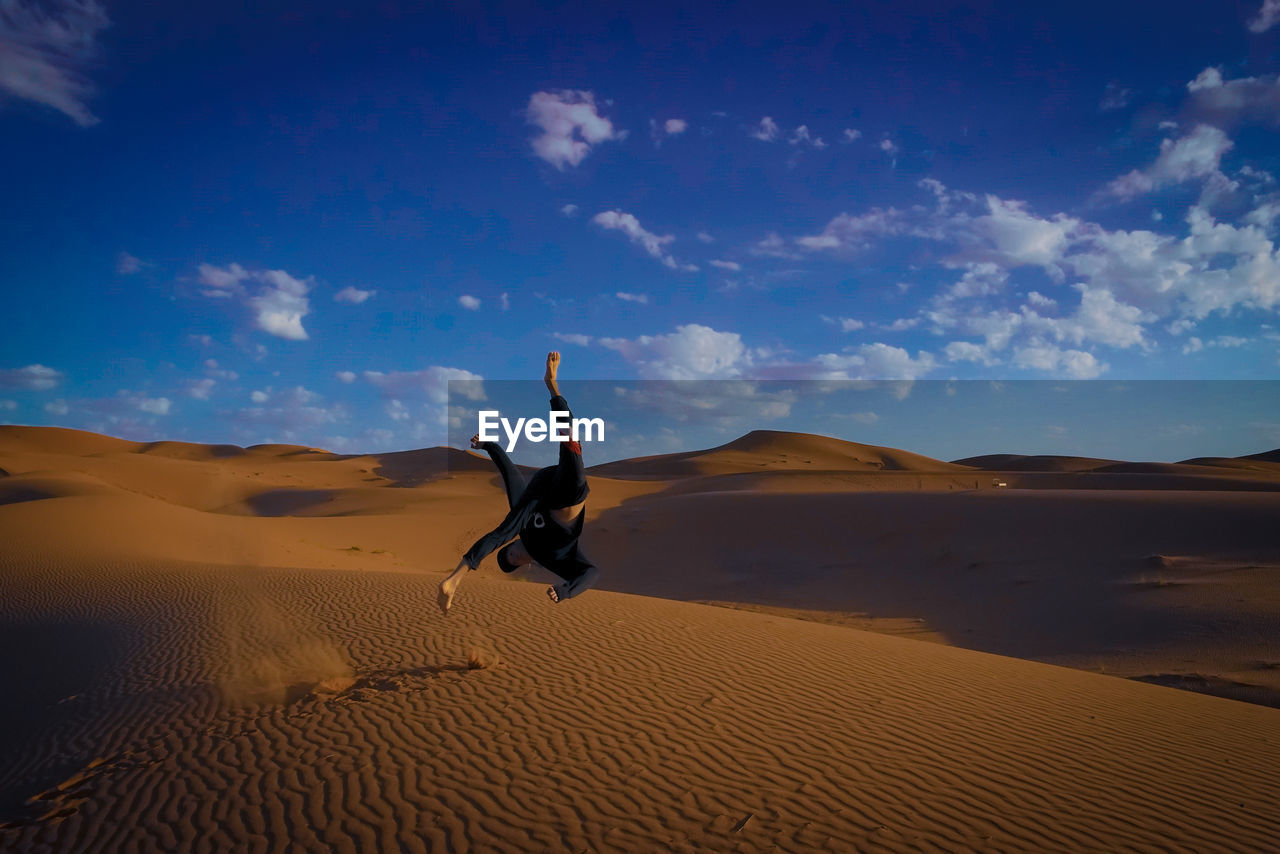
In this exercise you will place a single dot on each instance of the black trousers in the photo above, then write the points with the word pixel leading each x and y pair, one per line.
pixel 531 500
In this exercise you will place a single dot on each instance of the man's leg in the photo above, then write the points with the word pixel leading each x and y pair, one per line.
pixel 449 587
pixel 513 480
pixel 568 486
pixel 512 556
pixel 572 587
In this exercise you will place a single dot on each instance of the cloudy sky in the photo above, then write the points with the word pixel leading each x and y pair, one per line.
pixel 299 224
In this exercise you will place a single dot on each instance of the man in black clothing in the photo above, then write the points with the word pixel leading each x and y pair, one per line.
pixel 545 519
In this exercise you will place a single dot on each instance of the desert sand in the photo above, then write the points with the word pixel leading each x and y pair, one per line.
pixel 798 643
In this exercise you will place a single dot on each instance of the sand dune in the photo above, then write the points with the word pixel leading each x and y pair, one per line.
pixel 1267 464
pixel 1056 575
pixel 1021 462
pixel 239 645
pixel 775 450
pixel 1255 463
pixel 230 706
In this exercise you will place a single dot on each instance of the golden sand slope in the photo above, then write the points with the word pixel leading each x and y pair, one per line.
pixel 1177 586
pixel 1165 576
pixel 161 707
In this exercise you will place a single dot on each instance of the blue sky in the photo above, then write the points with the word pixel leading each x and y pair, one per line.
pixel 299 223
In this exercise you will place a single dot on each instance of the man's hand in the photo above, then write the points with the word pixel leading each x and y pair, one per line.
pixel 553 367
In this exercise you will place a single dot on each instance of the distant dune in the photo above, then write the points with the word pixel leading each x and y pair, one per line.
pixel 1019 462
pixel 207 644
pixel 775 450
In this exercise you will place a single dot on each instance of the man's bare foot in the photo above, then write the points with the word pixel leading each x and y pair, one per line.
pixel 446 591
pixel 553 367
pixel 568 589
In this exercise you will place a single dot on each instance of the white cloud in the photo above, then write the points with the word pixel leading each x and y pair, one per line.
pixel 643 299
pixel 30 378
pixel 201 389
pixel 846 324
pixel 967 351
pixel 692 351
pixel 8 405
pixel 1126 280
pixel 630 226
pixel 346 376
pixel 119 411
pixel 278 305
pixel 504 301
pixel 127 265
pixel 469 302
pixel 773 246
pixel 1216 267
pixel 432 383
pixel 733 406
pixel 1221 342
pixel 982 278
pixel 1222 102
pixel 1099 318
pixel 572 338
pixel 569 209
pixel 767 130
pixel 1210 78
pixel 293 414
pixel 1015 237
pixel 570 126
pixel 1264 215
pixel 1258 176
pixel 706 238
pixel 258 396
pixel 889 147
pixel 44 50
pixel 849 232
pixel 876 361
pixel 153 405
pixel 675 126
pixel 801 135
pixel 1076 364
pixel 295 396
pixel 1229 341
pixel 353 295
pixel 726 265
pixel 1195 155
pixel 221 282
pixel 1115 97
pixel 397 411
pixel 850 134
pixel 1268 15
pixel 212 369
